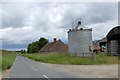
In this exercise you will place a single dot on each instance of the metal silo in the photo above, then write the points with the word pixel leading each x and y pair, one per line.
pixel 80 40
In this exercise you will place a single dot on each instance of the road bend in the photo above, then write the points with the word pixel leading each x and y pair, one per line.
pixel 27 68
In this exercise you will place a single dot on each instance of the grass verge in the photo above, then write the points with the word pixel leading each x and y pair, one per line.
pixel 7 60
pixel 0 61
pixel 57 58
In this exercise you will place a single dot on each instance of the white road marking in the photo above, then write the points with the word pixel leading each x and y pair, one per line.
pixel 46 77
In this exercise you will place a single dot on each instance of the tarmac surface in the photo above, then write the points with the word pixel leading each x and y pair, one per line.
pixel 26 68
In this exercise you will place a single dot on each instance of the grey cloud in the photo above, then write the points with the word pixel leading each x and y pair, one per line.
pixel 118 13
pixel 13 21
pixel 14 15
pixel 101 13
pixel 12 45
pixel 41 22
pixel 93 14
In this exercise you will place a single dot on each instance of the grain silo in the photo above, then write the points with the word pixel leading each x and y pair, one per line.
pixel 113 38
pixel 80 40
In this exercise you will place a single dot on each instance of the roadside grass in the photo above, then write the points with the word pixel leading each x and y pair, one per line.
pixel 66 58
pixel 0 61
pixel 119 59
pixel 106 59
pixel 7 59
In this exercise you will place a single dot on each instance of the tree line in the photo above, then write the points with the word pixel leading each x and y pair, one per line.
pixel 37 45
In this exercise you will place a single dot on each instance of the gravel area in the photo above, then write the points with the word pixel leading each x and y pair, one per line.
pixel 0 75
pixel 91 71
pixel 5 74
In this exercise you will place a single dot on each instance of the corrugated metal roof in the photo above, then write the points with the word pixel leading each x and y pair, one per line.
pixel 114 34
pixel 103 40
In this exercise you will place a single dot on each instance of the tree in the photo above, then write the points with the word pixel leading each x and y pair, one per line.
pixel 41 42
pixel 36 46
pixel 22 51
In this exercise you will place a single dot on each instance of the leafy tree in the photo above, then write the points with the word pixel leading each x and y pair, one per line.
pixel 36 46
pixel 23 51
pixel 41 42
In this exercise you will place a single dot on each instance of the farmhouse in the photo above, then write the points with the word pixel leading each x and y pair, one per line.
pixel 55 46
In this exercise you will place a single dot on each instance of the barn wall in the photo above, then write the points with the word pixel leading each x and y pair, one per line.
pixel 113 47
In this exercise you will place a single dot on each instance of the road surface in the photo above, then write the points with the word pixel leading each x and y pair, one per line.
pixel 26 68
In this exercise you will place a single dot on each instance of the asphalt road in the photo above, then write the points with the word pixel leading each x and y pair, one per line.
pixel 26 68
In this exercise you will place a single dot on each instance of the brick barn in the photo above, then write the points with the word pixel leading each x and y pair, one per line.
pixel 55 46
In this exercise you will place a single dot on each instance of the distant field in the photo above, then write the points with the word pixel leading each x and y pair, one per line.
pixel 7 60
pixel 57 58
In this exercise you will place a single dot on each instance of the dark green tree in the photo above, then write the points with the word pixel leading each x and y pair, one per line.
pixel 21 51
pixel 36 46
pixel 41 42
pixel 24 51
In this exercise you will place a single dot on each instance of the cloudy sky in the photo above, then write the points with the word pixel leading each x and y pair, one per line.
pixel 25 22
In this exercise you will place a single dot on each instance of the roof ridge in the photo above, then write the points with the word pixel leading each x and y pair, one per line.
pixel 45 45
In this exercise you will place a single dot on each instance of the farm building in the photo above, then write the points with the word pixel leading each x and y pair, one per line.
pixel 79 40
pixel 113 41
pixel 96 46
pixel 103 44
pixel 55 46
pixel 100 45
pixel 110 44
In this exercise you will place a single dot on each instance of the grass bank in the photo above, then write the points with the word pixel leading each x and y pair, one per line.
pixel 57 58
pixel 0 61
pixel 7 59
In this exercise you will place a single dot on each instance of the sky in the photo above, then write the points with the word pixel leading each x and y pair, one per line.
pixel 25 22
